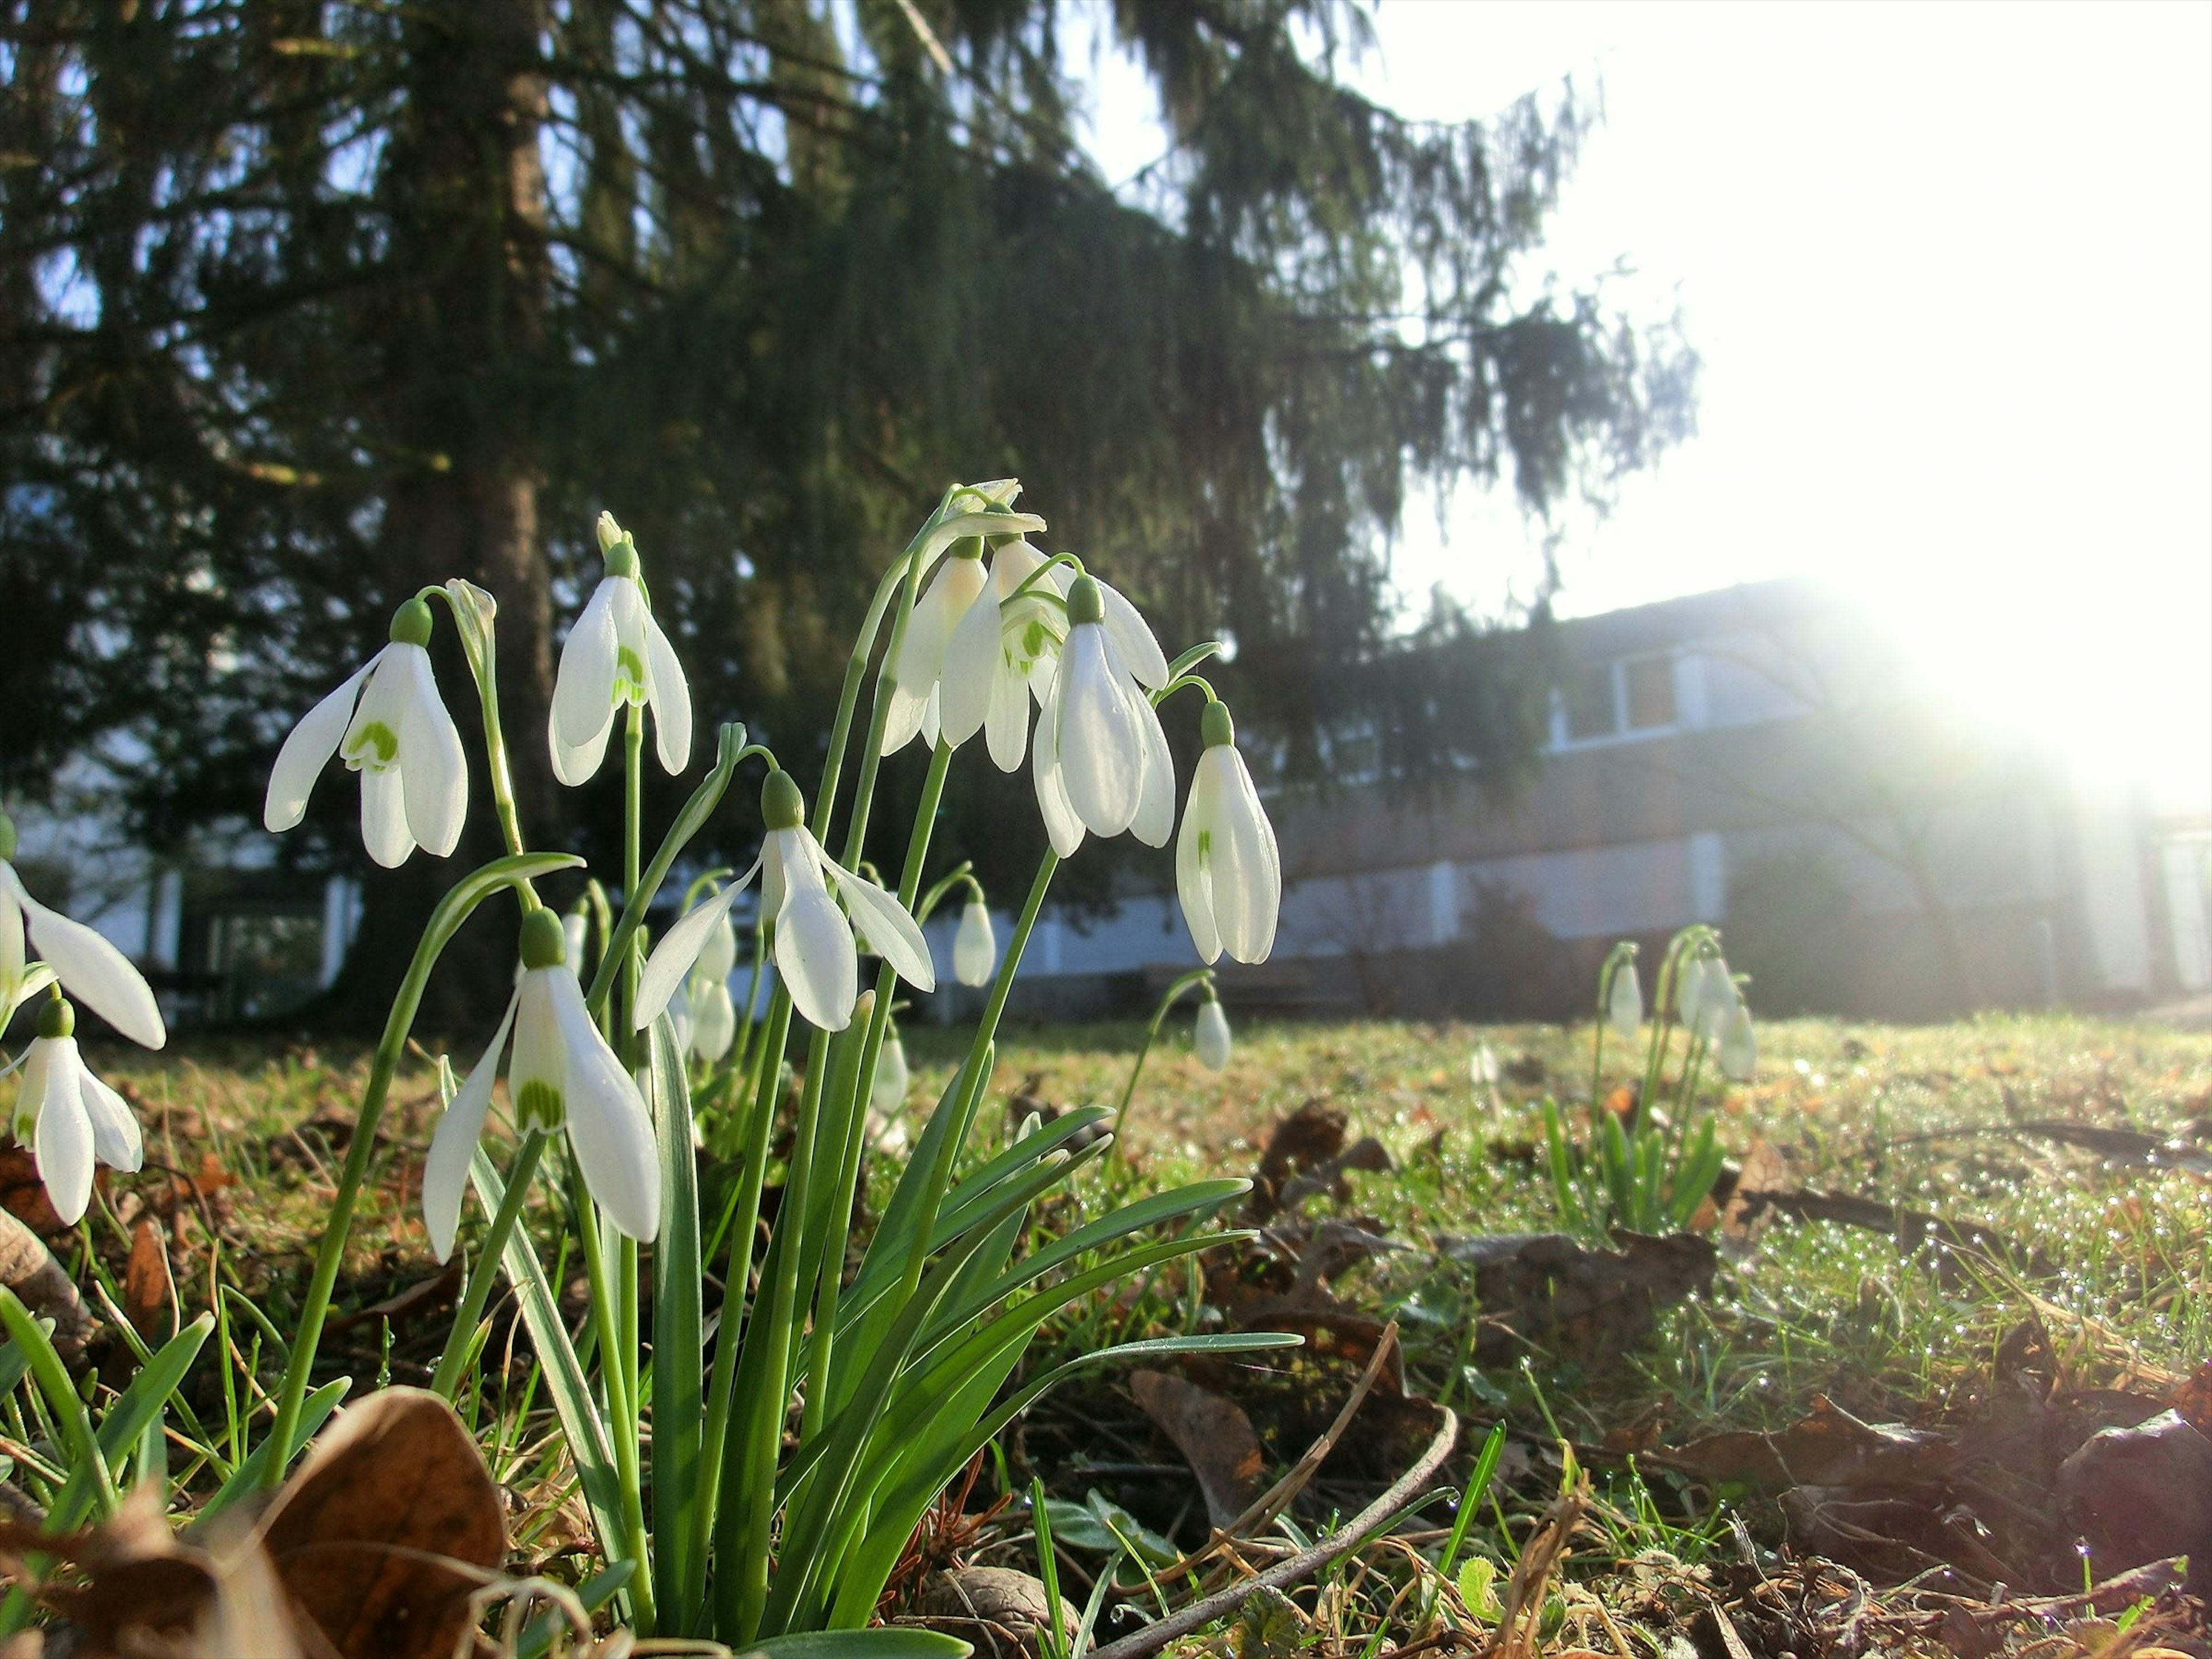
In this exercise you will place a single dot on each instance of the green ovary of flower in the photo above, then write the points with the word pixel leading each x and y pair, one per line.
pixel 629 677
pixel 538 1105
pixel 377 736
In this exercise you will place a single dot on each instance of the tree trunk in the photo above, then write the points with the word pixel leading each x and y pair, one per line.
pixel 459 334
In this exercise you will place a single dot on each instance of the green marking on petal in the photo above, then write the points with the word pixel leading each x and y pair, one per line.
pixel 538 1105
pixel 629 676
pixel 376 736
pixel 1206 846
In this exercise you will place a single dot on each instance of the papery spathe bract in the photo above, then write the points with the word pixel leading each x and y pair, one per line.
pixel 387 723
pixel 1211 1036
pixel 617 657
pixel 1229 873
pixel 1625 1002
pixel 975 944
pixel 84 962
pixel 561 1076
pixel 815 951
pixel 68 1118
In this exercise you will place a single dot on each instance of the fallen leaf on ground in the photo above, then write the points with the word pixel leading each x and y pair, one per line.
pixel 423 1296
pixel 1587 1305
pixel 147 1287
pixel 1828 1448
pixel 1001 1611
pixel 1214 1437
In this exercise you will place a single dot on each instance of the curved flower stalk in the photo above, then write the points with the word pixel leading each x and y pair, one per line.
pixel 1229 873
pixel 414 778
pixel 82 960
pixel 975 944
pixel 1103 763
pixel 1211 1036
pixel 617 657
pixel 562 1075
pixel 68 1118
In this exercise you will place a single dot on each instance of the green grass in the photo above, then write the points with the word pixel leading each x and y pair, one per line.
pixel 1918 1117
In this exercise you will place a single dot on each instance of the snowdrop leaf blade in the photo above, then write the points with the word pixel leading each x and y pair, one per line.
pixel 891 932
pixel 673 958
pixel 307 750
pixel 668 695
pixel 434 770
pixel 384 829
pixel 608 1127
pixel 93 970
pixel 445 1170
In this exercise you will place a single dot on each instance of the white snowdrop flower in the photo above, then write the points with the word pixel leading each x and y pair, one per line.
pixel 713 1019
pixel 975 944
pixel 679 1022
pixel 617 657
pixel 914 704
pixel 1716 1000
pixel 561 1076
pixel 1211 1038
pixel 888 1093
pixel 1689 992
pixel 1102 759
pixel 85 964
pixel 1482 1067
pixel 718 957
pixel 1229 874
pixel 1623 1007
pixel 414 780
pixel 1002 654
pixel 701 947
pixel 68 1118
pixel 1739 1049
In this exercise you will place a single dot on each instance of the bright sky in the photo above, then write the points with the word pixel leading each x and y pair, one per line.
pixel 1950 270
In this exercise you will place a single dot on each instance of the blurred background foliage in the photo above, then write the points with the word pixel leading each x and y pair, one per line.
pixel 310 304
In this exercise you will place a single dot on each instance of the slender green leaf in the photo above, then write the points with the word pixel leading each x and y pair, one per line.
pixel 53 1380
pixel 314 1411
pixel 137 1409
pixel 882 1642
pixel 678 1338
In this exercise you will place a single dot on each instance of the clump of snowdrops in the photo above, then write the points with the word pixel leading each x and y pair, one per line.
pixel 752 1470
pixel 1650 1173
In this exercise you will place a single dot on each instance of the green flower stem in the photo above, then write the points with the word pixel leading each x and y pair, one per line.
pixel 613 1376
pixel 768 1069
pixel 633 964
pixel 486 1270
pixel 944 883
pixel 1181 984
pixel 481 650
pixel 1043 572
pixel 830 1274
pixel 741 1054
pixel 452 910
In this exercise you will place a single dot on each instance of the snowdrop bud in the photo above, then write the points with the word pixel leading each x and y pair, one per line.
pixel 574 932
pixel 1625 1008
pixel 1212 1036
pixel 892 1077
pixel 975 946
pixel 718 957
pixel 713 1019
pixel 611 533
pixel 1689 991
pixel 1739 1052
pixel 1716 1000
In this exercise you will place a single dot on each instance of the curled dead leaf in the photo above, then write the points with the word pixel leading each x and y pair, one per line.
pixel 1214 1437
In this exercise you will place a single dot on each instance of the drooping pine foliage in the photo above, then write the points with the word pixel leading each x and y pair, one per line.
pixel 311 303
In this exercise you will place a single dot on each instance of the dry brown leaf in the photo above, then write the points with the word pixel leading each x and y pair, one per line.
pixel 1828 1447
pixel 1214 1437
pixel 147 1287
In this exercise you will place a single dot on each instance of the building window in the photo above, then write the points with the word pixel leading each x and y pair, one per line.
pixel 1650 692
pixel 1590 712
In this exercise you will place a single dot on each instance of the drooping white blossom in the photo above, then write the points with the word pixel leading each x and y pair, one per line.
pixel 974 945
pixel 713 1018
pixel 915 702
pixel 1211 1037
pixel 1717 1000
pixel 1229 873
pixel 617 657
pixel 388 723
pixel 1739 1046
pixel 1102 764
pixel 888 1093
pixel 1624 1003
pixel 1003 654
pixel 68 1118
pixel 85 964
pixel 561 1075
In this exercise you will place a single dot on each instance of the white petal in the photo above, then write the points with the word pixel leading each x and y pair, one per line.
pixel 972 657
pixel 1248 869
pixel 307 750
pixel 974 945
pixel 537 1062
pixel 1194 854
pixel 11 950
pixel 583 687
pixel 446 1170
pixel 579 763
pixel 719 959
pixel 382 710
pixel 714 1021
pixel 116 1138
pixel 814 948
pixel 1212 1036
pixel 91 969
pixel 63 1147
pixel 1061 826
pixel 384 816
pixel 1156 803
pixel 673 958
pixel 903 719
pixel 609 1129
pixel 435 771
pixel 1101 747
pixel 1625 1007
pixel 1132 636
pixel 891 932
pixel 670 695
